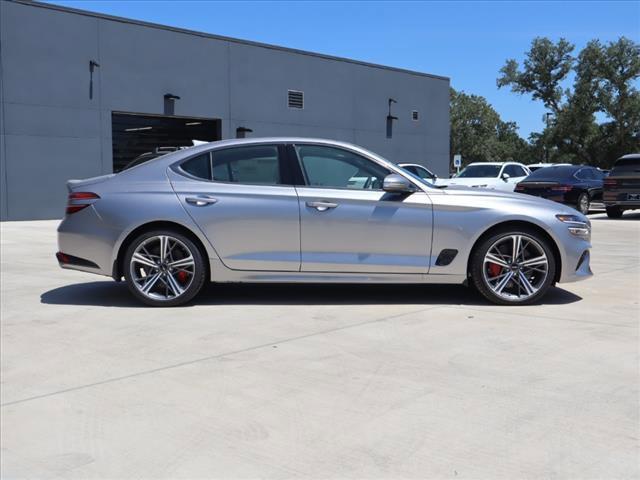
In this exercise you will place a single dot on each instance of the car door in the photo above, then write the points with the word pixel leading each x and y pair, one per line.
pixel 349 224
pixel 241 199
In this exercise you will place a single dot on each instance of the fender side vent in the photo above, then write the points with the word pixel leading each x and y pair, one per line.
pixel 446 257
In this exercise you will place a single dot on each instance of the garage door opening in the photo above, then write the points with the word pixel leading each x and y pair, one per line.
pixel 138 137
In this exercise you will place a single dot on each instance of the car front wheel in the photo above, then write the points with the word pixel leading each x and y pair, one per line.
pixel 513 267
pixel 164 268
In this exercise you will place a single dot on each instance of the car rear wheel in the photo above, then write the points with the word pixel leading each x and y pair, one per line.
pixel 513 267
pixel 164 268
pixel 614 212
pixel 583 203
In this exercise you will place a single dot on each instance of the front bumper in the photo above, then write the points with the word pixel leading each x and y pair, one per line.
pixel 576 258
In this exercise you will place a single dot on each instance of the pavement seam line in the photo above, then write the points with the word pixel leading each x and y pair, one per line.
pixel 545 317
pixel 211 357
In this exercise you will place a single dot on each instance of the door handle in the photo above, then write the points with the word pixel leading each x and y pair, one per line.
pixel 322 206
pixel 201 200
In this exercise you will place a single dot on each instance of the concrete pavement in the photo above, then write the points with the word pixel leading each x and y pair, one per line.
pixel 318 381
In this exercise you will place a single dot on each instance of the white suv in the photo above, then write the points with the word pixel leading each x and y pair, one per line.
pixel 492 175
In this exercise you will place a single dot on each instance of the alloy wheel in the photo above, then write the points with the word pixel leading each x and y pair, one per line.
pixel 583 204
pixel 515 267
pixel 162 267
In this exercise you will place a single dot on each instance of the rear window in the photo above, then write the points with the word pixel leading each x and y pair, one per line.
pixel 626 165
pixel 552 173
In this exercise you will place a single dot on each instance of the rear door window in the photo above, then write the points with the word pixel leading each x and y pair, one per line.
pixel 255 165
pixel 584 174
pixel 515 171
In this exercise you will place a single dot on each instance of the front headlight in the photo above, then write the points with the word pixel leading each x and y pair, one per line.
pixel 578 226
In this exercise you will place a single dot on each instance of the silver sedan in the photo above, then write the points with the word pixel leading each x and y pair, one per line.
pixel 309 210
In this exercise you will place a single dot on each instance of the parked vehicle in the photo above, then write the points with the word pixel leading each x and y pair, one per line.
pixel 622 186
pixel 288 210
pixel 537 166
pixel 497 176
pixel 419 170
pixel 158 152
pixel 145 157
pixel 573 185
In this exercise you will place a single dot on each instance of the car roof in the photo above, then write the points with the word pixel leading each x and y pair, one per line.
pixel 634 156
pixel 403 164
pixel 497 163
pixel 159 164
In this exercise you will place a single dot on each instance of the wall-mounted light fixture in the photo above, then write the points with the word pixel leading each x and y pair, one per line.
pixel 170 103
pixel 92 66
pixel 390 119
pixel 241 132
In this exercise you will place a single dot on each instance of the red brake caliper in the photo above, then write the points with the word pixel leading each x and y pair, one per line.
pixel 494 269
pixel 182 276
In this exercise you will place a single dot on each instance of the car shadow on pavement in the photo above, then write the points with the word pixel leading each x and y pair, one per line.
pixel 112 294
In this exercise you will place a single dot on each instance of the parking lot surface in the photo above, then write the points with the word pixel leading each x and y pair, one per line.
pixel 281 381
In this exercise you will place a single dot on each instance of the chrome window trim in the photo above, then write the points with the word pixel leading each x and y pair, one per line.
pixel 177 166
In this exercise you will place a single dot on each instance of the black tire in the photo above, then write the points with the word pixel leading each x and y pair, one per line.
pixel 477 264
pixel 583 204
pixel 196 279
pixel 614 212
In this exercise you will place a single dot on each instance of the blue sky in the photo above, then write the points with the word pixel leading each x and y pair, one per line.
pixel 466 41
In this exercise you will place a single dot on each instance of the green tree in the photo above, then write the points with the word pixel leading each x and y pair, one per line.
pixel 603 87
pixel 545 68
pixel 479 134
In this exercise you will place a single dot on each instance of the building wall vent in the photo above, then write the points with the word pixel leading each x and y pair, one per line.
pixel 414 115
pixel 295 99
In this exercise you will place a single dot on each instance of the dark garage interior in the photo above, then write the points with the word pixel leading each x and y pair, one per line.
pixel 134 134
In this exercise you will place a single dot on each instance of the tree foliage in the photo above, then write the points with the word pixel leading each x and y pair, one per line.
pixel 604 87
pixel 479 134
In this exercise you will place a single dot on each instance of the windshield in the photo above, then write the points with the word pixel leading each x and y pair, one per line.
pixel 480 171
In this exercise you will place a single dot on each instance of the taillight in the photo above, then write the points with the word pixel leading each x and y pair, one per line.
pixel 562 188
pixel 79 200
pixel 610 182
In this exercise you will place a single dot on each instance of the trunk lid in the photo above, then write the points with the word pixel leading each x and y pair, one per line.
pixel 75 185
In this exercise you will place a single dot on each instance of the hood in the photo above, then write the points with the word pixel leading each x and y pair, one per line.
pixel 505 196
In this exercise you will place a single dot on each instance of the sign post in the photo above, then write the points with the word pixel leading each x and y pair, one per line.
pixel 457 162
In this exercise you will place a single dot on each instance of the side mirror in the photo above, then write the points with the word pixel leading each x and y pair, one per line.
pixel 395 183
pixel 505 176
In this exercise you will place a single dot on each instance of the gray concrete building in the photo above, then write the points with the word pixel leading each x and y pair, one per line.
pixel 82 94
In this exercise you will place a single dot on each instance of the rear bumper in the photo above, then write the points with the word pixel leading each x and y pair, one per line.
pixel 620 198
pixel 621 203
pixel 86 242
